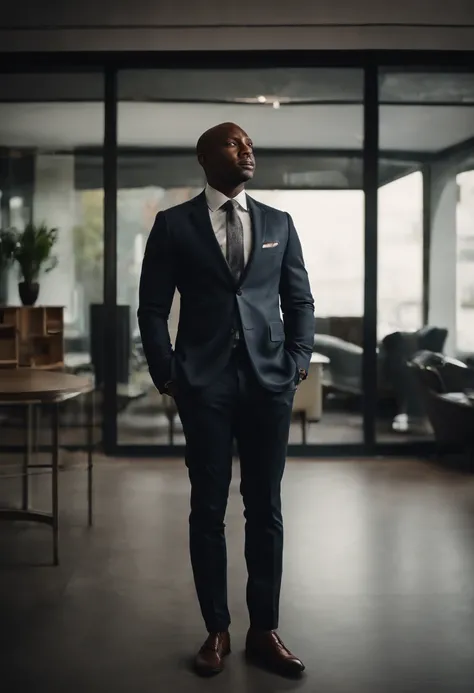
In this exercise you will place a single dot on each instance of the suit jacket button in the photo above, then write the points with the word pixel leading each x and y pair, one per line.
pixel 239 292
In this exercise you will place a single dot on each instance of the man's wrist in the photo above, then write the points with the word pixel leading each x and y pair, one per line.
pixel 302 374
pixel 168 387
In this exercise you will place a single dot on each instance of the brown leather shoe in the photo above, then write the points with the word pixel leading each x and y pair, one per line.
pixel 210 658
pixel 267 648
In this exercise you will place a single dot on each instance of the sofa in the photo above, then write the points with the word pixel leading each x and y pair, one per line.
pixel 395 381
pixel 446 391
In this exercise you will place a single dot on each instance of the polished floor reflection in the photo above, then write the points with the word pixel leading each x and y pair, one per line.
pixel 377 596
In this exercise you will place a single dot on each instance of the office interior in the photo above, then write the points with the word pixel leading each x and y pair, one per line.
pixel 373 155
pixel 375 163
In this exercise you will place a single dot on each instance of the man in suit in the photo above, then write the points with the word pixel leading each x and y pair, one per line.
pixel 233 374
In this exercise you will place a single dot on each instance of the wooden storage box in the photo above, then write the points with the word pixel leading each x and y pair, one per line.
pixel 32 337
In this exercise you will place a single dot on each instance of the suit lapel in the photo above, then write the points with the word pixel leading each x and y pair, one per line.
pixel 202 222
pixel 258 219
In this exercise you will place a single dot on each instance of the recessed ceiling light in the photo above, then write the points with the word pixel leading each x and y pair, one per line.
pixel 261 99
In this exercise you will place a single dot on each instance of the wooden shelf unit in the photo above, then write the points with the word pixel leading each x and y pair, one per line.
pixel 32 337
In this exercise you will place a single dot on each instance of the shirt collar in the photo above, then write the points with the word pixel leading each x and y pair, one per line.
pixel 216 199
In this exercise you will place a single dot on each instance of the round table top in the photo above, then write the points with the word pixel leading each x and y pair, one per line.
pixel 29 384
pixel 319 358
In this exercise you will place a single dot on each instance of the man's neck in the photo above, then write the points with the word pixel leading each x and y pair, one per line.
pixel 225 190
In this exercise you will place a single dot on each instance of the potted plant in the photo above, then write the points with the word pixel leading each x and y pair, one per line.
pixel 33 254
pixel 7 248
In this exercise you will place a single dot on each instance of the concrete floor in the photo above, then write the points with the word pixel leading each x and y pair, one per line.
pixel 378 593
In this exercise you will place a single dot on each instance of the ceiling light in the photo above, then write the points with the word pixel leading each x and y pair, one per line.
pixel 276 104
pixel 261 99
pixel 16 202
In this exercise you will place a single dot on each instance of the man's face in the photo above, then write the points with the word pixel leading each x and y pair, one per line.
pixel 229 156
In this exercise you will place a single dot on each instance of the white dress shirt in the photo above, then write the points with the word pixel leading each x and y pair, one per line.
pixel 215 200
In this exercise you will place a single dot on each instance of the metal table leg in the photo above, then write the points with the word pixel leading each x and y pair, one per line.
pixel 54 478
pixel 51 519
pixel 35 430
pixel 90 450
pixel 304 426
pixel 27 457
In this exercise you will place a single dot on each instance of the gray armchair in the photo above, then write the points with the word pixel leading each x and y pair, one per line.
pixel 398 348
pixel 344 372
pixel 450 412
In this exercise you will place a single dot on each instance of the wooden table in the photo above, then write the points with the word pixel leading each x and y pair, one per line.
pixel 308 402
pixel 29 388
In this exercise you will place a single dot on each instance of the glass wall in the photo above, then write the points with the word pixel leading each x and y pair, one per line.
pixel 465 264
pixel 308 128
pixel 46 122
pixel 307 125
pixel 425 237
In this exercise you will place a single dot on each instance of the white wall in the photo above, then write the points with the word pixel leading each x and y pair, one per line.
pixel 54 204
pixel 249 24
pixel 443 253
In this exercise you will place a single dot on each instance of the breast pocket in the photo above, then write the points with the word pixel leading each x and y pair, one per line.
pixel 269 263
pixel 271 250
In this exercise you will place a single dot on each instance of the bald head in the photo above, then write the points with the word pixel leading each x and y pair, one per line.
pixel 212 135
pixel 225 152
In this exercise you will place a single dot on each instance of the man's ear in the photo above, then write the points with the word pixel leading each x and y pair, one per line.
pixel 201 159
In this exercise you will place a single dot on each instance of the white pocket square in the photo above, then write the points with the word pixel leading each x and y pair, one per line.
pixel 270 245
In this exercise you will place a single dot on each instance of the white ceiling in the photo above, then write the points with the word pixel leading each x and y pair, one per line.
pixel 67 125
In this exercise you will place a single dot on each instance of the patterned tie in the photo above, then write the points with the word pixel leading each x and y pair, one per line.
pixel 235 240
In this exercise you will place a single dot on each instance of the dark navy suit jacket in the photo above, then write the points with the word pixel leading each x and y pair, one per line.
pixel 182 251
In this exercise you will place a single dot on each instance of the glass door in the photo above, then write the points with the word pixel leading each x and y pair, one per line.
pixel 425 238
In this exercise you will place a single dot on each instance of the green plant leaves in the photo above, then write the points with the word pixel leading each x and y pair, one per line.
pixel 33 251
